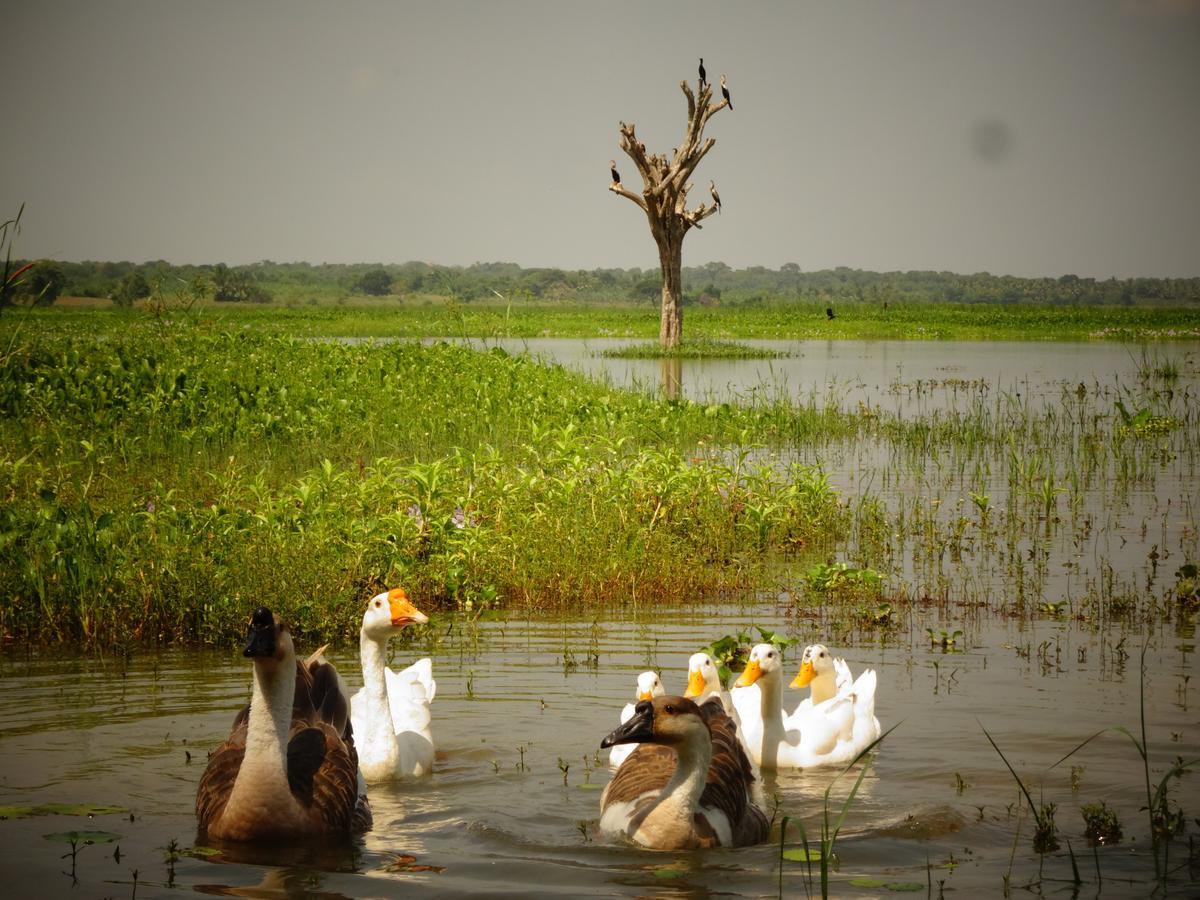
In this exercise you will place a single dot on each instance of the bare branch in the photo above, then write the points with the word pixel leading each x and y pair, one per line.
pixel 618 188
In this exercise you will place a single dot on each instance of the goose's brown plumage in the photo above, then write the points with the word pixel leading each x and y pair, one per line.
pixel 727 784
pixel 321 763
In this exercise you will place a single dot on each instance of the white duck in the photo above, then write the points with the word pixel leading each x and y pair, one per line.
pixel 390 713
pixel 704 681
pixel 688 786
pixel 831 731
pixel 288 768
pixel 832 687
pixel 649 686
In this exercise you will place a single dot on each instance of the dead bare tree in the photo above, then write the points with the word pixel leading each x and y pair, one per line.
pixel 665 186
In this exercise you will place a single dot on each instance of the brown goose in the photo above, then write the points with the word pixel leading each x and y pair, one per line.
pixel 688 785
pixel 288 768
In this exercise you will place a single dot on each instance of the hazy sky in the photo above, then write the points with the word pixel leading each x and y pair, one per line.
pixel 1028 138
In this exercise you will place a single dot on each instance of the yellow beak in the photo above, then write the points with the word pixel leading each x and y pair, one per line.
pixel 645 695
pixel 806 674
pixel 402 610
pixel 695 684
pixel 750 674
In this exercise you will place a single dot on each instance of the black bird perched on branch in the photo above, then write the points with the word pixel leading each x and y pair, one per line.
pixel 615 174
pixel 703 76
pixel 712 189
pixel 725 92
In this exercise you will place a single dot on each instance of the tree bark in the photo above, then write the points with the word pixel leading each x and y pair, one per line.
pixel 665 186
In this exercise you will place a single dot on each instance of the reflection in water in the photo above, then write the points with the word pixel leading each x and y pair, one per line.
pixel 281 883
pixel 671 377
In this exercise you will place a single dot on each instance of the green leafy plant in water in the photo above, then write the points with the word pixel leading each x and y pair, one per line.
pixel 943 640
pixel 731 651
pixel 1101 825
pixel 1144 423
pixel 841 576
pixel 1187 585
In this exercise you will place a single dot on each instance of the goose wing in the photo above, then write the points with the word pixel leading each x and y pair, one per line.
pixel 323 776
pixel 410 691
pixel 322 760
pixel 730 778
pixel 224 763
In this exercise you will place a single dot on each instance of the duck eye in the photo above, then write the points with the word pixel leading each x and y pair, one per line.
pixel 378 603
pixel 822 656
pixel 770 656
pixel 670 709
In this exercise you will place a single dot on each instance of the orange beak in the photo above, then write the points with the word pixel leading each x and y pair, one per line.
pixel 806 674
pixel 402 610
pixel 750 674
pixel 695 684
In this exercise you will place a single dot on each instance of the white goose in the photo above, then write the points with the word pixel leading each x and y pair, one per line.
pixel 391 712
pixel 649 686
pixel 689 784
pixel 288 768
pixel 822 713
pixel 831 732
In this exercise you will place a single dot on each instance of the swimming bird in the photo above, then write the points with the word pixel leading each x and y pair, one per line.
pixel 688 785
pixel 288 768
pixel 725 93
pixel 649 686
pixel 703 76
pixel 391 711
pixel 616 176
pixel 831 687
pixel 712 189
pixel 704 682
pixel 832 733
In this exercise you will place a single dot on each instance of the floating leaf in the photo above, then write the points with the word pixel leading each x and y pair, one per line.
pixel 868 882
pixel 83 837
pixel 668 872
pixel 799 854
pixel 904 886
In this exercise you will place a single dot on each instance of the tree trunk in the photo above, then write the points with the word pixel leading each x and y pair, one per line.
pixel 670 328
pixel 665 186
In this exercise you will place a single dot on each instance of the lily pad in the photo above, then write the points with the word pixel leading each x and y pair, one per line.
pixel 83 837
pixel 799 854
pixel 868 882
pixel 59 809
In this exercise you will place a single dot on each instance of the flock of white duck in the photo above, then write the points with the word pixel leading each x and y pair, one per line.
pixel 301 754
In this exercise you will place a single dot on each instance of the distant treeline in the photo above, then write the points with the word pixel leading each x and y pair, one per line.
pixel 713 283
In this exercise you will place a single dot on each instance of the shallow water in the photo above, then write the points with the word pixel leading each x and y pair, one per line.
pixel 83 731
pixel 907 377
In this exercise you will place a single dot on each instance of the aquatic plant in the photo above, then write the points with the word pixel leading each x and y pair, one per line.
pixel 1101 825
